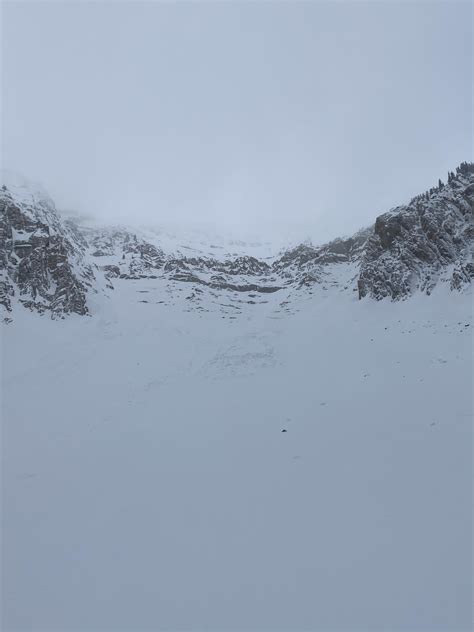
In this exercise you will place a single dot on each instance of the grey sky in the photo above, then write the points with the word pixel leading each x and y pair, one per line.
pixel 311 116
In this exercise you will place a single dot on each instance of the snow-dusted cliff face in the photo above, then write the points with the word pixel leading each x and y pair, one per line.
pixel 44 263
pixel 430 239
pixel 51 264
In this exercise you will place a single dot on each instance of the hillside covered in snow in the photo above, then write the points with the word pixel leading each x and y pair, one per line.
pixel 214 436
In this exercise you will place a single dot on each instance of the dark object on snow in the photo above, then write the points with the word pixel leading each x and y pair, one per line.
pixel 284 430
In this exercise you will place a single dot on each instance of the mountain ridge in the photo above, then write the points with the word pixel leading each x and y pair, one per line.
pixel 50 263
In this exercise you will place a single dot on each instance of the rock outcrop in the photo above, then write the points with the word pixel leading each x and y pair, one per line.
pixel 430 239
pixel 306 263
pixel 42 261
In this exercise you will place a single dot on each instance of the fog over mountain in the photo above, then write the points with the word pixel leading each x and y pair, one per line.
pixel 304 118
pixel 236 316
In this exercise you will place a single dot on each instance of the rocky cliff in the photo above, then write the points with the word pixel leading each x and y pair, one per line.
pixel 415 246
pixel 50 264
pixel 43 260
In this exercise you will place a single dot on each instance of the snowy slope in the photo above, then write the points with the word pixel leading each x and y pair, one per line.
pixel 231 439
pixel 147 483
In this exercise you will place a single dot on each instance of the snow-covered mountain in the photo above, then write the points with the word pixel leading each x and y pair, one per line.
pixel 192 458
pixel 165 468
pixel 55 264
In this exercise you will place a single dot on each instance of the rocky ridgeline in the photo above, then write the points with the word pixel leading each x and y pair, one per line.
pixel 50 264
pixel 307 264
pixel 430 239
pixel 122 254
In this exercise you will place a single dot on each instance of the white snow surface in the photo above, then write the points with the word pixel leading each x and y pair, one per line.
pixel 147 483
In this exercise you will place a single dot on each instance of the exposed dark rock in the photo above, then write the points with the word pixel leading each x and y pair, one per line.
pixel 42 259
pixel 135 258
pixel 112 271
pixel 337 251
pixel 412 246
pixel 306 264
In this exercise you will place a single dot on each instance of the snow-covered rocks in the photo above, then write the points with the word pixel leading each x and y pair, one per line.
pixel 48 263
pixel 43 262
pixel 413 247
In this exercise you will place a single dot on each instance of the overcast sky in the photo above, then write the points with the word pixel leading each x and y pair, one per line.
pixel 311 116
